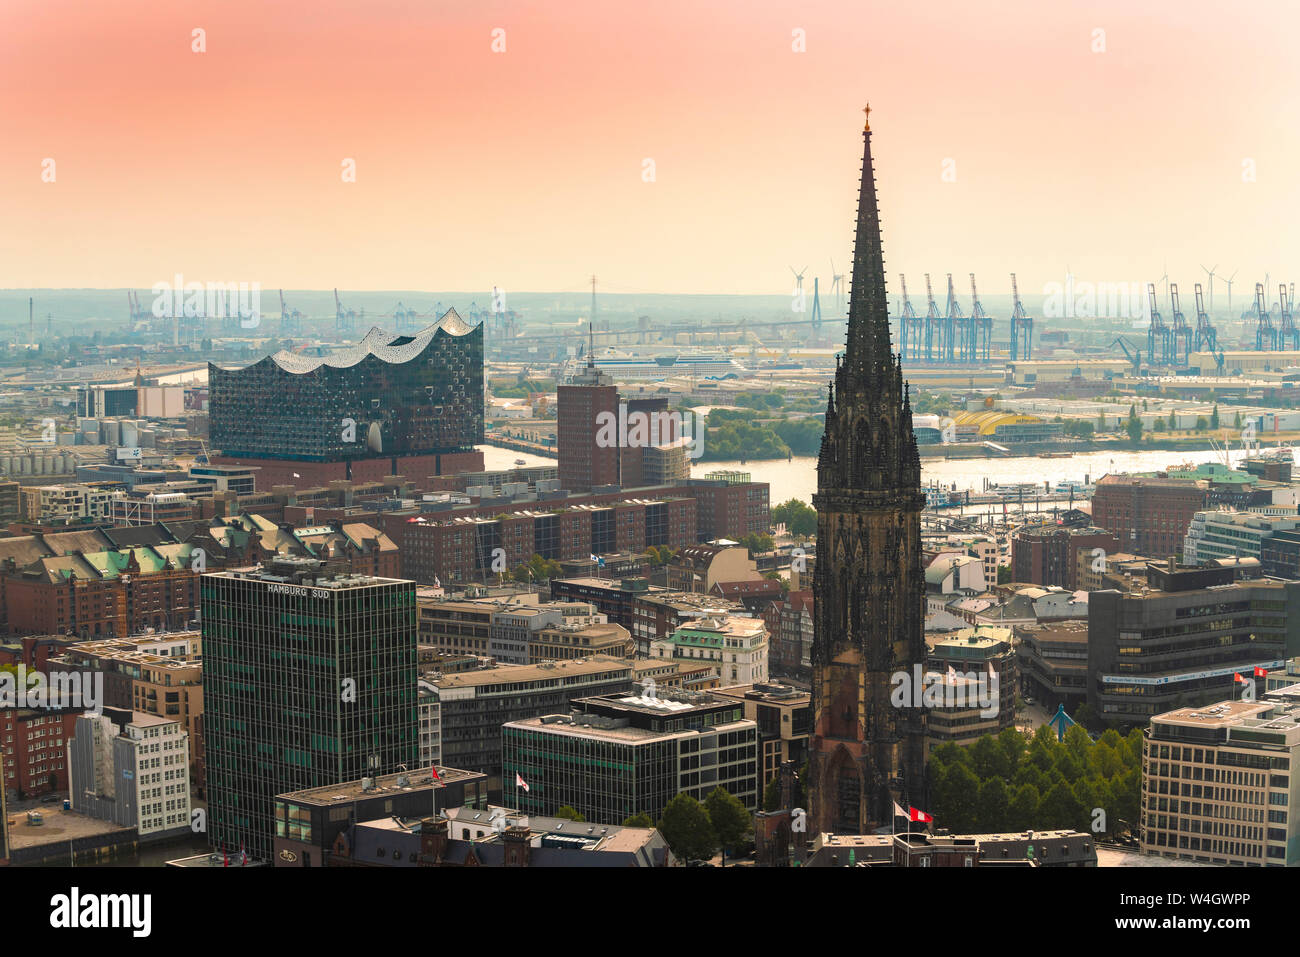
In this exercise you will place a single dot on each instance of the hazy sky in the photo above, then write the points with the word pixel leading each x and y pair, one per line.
pixel 525 168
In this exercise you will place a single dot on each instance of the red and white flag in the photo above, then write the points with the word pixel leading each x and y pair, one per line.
pixel 1236 676
pixel 243 856
pixel 915 815
pixel 433 773
pixel 1261 672
pixel 520 782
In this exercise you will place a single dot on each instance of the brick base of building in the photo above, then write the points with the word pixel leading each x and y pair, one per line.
pixel 417 469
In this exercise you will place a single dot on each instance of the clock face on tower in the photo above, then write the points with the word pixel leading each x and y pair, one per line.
pixel 868 585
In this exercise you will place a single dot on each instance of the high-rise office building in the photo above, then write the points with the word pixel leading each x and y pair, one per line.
pixel 307 681
pixel 587 457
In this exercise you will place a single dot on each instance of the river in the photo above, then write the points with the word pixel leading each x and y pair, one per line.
pixel 797 478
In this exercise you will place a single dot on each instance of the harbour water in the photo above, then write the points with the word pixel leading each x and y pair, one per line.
pixel 797 478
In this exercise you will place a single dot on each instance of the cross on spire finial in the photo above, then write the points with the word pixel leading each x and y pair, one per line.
pixel 867 124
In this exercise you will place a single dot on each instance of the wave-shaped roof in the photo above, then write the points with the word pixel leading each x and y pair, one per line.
pixel 386 346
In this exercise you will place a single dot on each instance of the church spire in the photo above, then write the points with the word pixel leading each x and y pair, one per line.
pixel 868 353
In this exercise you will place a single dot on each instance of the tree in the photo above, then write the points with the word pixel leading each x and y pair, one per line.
pixel 772 795
pixel 570 814
pixel 992 809
pixel 639 819
pixel 799 518
pixel 1022 813
pixel 731 822
pixel 1004 574
pixel 758 543
pixel 1214 417
pixel 1059 807
pixel 1158 425
pixel 1236 421
pixel 1133 426
pixel 687 829
pixel 1201 423
pixel 1101 421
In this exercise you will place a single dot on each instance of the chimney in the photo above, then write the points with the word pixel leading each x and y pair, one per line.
pixel 433 841
pixel 518 845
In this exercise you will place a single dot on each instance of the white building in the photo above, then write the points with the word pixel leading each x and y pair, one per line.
pixel 735 647
pixel 135 774
pixel 1226 533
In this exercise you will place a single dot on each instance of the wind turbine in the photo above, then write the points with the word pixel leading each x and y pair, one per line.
pixel 1229 282
pixel 1211 274
pixel 837 286
pixel 798 278
pixel 1165 278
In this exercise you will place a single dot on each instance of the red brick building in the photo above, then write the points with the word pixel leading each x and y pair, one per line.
pixel 34 745
pixel 1047 554
pixel 584 462
pixel 1149 515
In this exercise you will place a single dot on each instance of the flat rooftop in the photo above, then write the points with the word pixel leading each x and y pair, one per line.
pixel 513 674
pixel 1218 715
pixel 348 791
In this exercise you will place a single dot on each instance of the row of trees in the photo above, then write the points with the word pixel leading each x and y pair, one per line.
pixel 694 830
pixel 1016 781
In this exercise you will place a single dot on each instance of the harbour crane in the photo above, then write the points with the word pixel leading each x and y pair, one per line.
pixel 1158 331
pixel 981 326
pixel 956 328
pixel 933 321
pixel 1181 334
pixel 290 322
pixel 1265 331
pixel 1287 334
pixel 1022 326
pixel 1207 337
pixel 345 322
pixel 909 335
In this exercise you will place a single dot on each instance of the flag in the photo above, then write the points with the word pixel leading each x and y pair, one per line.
pixel 437 582
pixel 952 675
pixel 1236 676
pixel 225 861
pixel 243 856
pixel 914 815
pixel 1261 672
pixel 595 558
pixel 296 475
pixel 898 810
pixel 520 782
pixel 433 773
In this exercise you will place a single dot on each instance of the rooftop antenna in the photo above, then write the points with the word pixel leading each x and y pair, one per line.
pixel 591 328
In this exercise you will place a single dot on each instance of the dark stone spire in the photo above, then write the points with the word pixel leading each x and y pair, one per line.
pixel 868 357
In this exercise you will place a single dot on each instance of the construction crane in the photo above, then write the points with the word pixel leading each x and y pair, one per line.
pixel 1265 332
pixel 1207 337
pixel 290 322
pixel 933 321
pixel 1022 326
pixel 1288 335
pixel 1158 331
pixel 1134 354
pixel 981 326
pixel 345 323
pixel 1181 334
pixel 909 335
pixel 956 328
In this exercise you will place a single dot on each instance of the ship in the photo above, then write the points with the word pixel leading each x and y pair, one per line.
pixel 625 367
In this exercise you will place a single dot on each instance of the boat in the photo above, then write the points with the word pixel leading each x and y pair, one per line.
pixel 1055 455
pixel 520 462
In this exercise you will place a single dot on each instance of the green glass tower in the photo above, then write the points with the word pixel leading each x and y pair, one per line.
pixel 308 681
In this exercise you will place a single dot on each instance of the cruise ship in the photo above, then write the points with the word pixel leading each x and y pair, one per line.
pixel 625 368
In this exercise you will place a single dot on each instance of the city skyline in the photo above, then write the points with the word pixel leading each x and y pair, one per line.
pixel 1121 154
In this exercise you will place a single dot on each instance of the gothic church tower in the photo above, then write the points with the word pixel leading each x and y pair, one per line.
pixel 868 583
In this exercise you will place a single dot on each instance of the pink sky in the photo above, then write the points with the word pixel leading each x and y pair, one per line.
pixel 523 169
